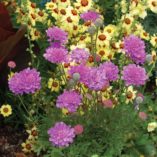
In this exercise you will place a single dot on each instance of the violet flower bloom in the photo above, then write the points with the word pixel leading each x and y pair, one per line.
pixel 134 75
pixel 61 135
pixel 90 16
pixel 135 49
pixel 81 69
pixel 79 55
pixel 56 55
pixel 57 34
pixel 26 81
pixel 97 79
pixel 111 70
pixel 70 100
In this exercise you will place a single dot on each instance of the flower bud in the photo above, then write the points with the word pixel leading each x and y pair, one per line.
pixel 78 129
pixel 139 99
pixel 108 103
pixel 149 58
pixel 91 30
pixel 76 76
pixel 11 64
pixel 98 22
pixel 142 115
pixel 32 112
pixel 71 82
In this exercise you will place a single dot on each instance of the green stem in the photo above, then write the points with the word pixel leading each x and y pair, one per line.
pixel 24 105
pixel 63 74
pixel 150 71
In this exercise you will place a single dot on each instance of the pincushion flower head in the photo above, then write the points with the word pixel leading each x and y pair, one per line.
pixel 135 49
pixel 56 55
pixel 69 100
pixel 97 79
pixel 82 70
pixel 90 16
pixel 26 81
pixel 134 75
pixel 79 55
pixel 111 70
pixel 61 135
pixel 57 34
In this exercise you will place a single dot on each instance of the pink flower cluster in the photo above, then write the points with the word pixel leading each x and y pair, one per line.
pixel 26 81
pixel 61 135
pixel 70 100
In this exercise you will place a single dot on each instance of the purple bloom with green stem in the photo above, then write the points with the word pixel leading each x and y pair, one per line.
pixel 61 135
pixel 97 79
pixel 135 48
pixel 111 70
pixel 70 100
pixel 26 81
pixel 56 55
pixel 90 16
pixel 56 34
pixel 134 75
pixel 79 55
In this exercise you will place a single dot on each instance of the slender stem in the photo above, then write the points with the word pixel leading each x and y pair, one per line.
pixel 150 71
pixel 24 105
pixel 63 74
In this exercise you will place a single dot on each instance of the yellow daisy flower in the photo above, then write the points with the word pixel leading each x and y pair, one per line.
pixel 138 10
pixel 127 21
pixel 83 5
pixel 144 35
pixel 53 85
pixel 152 4
pixel 33 133
pixel 6 110
pixel 27 146
pixel 151 126
pixel 153 40
pixel 154 57
pixel 130 94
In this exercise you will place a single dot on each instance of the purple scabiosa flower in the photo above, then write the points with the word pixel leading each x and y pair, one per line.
pixel 79 55
pixel 134 75
pixel 61 135
pixel 97 79
pixel 135 49
pixel 70 100
pixel 82 70
pixel 111 70
pixel 26 81
pixel 57 34
pixel 90 16
pixel 56 55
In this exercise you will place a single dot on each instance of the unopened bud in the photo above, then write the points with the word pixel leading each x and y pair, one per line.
pixel 98 22
pixel 149 58
pixel 71 83
pixel 32 112
pixel 139 100
pixel 76 76
pixel 91 30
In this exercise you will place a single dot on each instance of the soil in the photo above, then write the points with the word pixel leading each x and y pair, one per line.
pixel 10 142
